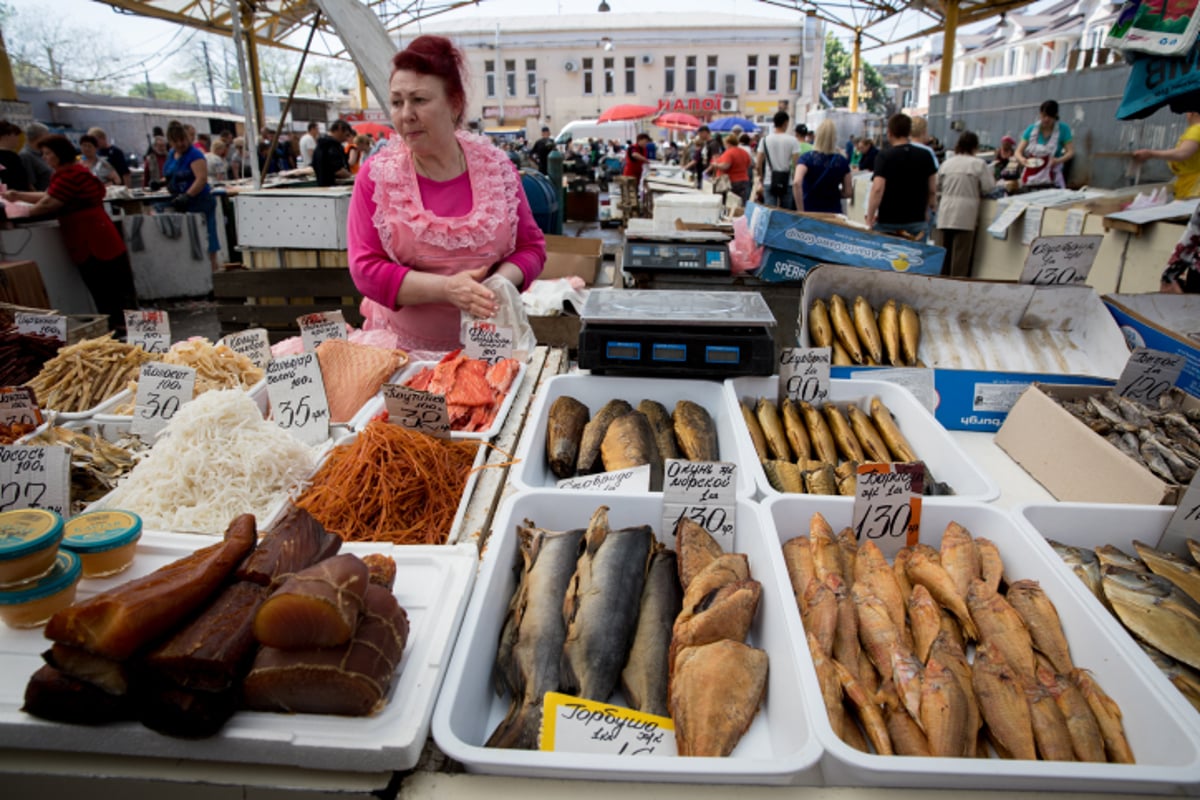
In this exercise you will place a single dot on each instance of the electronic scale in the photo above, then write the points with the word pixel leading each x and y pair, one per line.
pixel 677 333
pixel 680 252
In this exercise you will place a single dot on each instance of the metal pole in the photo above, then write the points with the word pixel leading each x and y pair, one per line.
pixel 8 86
pixel 212 91
pixel 252 62
pixel 947 75
pixel 250 110
pixel 292 92
pixel 856 69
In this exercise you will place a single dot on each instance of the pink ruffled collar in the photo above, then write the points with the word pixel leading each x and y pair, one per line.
pixel 398 204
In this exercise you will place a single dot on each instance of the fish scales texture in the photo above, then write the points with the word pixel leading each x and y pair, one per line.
pixel 925 567
pixel 644 678
pixel 1041 619
pixel 797 555
pixel 1155 610
pixel 564 432
pixel 1170 566
pixel 1001 627
pixel 943 711
pixel 1108 716
pixel 1002 702
pixel 1087 743
pixel 588 460
pixel 960 557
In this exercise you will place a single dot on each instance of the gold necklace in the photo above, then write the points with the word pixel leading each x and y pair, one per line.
pixel 460 164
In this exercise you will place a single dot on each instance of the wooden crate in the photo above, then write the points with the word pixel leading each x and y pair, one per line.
pixel 86 326
pixel 280 258
pixel 274 298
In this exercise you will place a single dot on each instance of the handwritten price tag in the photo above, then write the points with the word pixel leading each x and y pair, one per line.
pixel 574 725
pixel 253 344
pixel 634 479
pixel 18 404
pixel 417 410
pixel 703 491
pixel 1060 260
pixel 316 328
pixel 151 330
pixel 1184 523
pixel 53 326
pixel 1149 373
pixel 162 390
pixel 487 341
pixel 804 374
pixel 887 505
pixel 35 477
pixel 298 401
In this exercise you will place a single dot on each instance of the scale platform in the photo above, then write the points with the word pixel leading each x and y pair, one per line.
pixel 677 333
pixel 677 252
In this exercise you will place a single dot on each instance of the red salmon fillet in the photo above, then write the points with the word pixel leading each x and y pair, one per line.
pixel 470 384
pixel 501 375
pixel 421 379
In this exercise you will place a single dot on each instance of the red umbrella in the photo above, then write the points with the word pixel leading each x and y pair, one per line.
pixel 373 129
pixel 627 111
pixel 678 121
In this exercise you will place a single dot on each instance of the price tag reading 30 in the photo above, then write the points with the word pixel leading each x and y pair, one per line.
pixel 487 341
pixel 804 374
pixel 253 344
pixel 703 491
pixel 1148 373
pixel 887 505
pixel 151 330
pixel 53 326
pixel 162 390
pixel 297 394
pixel 1184 523
pixel 35 477
pixel 417 410
pixel 316 328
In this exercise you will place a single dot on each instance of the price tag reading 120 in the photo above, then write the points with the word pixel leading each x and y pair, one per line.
pixel 151 330
pixel 417 410
pixel 297 394
pixel 316 328
pixel 703 491
pixel 162 390
pixel 887 505
pixel 1148 373
pixel 804 374
pixel 35 477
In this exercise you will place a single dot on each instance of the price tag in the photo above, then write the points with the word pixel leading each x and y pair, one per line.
pixel 53 326
pixel 634 479
pixel 316 328
pixel 417 410
pixel 1060 260
pixel 253 344
pixel 1148 373
pixel 1184 523
pixel 18 404
pixel 487 341
pixel 887 505
pixel 804 374
pixel 1033 224
pixel 574 725
pixel 1010 214
pixel 151 330
pixel 704 491
pixel 1075 220
pixel 162 390
pixel 297 394
pixel 35 477
pixel 917 380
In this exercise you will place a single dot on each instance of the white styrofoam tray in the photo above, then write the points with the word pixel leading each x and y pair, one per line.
pixel 778 748
pixel 102 407
pixel 933 444
pixel 376 404
pixel 532 470
pixel 1165 744
pixel 432 584
pixel 114 426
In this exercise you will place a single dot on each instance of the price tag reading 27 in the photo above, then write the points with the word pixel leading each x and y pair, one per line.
pixel 704 492
pixel 804 374
pixel 1148 373
pixel 887 505
pixel 297 393
pixel 417 410
pixel 35 477
pixel 162 390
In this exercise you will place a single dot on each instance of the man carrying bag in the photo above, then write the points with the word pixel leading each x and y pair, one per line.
pixel 777 152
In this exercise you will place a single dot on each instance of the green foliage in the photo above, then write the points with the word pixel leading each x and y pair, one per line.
pixel 835 81
pixel 161 91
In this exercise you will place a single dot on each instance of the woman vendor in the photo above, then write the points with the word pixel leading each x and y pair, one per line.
pixel 186 172
pixel 1045 146
pixel 436 211
pixel 93 242
pixel 1184 158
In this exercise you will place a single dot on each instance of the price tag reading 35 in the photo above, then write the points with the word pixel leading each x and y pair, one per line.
pixel 887 505
pixel 18 405
pixel 151 330
pixel 417 410
pixel 53 326
pixel 487 341
pixel 35 477
pixel 162 390
pixel 1149 373
pixel 316 328
pixel 703 491
pixel 297 394
pixel 804 374
pixel 253 344
pixel 1184 523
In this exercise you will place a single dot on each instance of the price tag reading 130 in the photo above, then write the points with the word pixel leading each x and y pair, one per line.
pixel 417 410
pixel 804 374
pixel 297 394
pixel 162 390
pixel 151 330
pixel 1148 373
pixel 35 477
pixel 703 491
pixel 887 505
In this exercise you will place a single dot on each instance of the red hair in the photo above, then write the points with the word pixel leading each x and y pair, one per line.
pixel 436 55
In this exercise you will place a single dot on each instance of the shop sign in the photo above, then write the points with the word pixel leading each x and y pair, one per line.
pixel 690 104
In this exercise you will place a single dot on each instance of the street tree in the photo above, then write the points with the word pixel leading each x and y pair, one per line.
pixel 835 81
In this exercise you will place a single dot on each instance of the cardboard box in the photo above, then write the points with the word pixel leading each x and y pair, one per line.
pixel 572 255
pixel 21 284
pixel 1166 322
pixel 557 331
pixel 1071 460
pixel 817 238
pixel 986 341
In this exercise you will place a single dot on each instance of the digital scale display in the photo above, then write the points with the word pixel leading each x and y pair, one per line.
pixel 661 256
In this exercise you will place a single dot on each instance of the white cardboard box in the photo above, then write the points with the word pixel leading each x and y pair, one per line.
pixel 296 219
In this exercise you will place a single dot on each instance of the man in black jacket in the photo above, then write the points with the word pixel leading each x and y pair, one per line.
pixel 541 151
pixel 329 158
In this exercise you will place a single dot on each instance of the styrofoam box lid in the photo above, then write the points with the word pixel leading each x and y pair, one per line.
pixel 532 470
pixel 945 459
pixel 705 201
pixel 777 748
pixel 1164 742
pixel 100 408
pixel 432 585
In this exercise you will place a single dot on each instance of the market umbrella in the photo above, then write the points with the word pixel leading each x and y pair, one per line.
pixel 678 121
pixel 727 124
pixel 627 111
pixel 373 129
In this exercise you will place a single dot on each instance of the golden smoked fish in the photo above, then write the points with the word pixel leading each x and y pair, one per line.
pixel 889 332
pixel 1002 702
pixel 757 436
pixel 820 329
pixel 1041 619
pixel 867 329
pixel 794 429
pixel 843 328
pixel 910 334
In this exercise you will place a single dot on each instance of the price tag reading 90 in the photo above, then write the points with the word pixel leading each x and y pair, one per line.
pixel 887 505
pixel 804 374
pixel 1148 374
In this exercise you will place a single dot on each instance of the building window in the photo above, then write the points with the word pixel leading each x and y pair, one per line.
pixel 610 78
pixel 669 74
pixel 772 73
pixel 588 66
pixel 510 77
pixel 531 77
pixel 630 63
pixel 794 72
pixel 751 73
pixel 1013 64
pixel 1096 38
pixel 711 62
pixel 489 72
pixel 690 75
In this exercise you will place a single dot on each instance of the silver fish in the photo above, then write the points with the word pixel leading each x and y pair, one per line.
pixel 644 678
pixel 1170 566
pixel 1084 563
pixel 1111 555
pixel 1152 608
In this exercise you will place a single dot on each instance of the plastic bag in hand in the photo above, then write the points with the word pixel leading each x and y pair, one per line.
pixel 510 314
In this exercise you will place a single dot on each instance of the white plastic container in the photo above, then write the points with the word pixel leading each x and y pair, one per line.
pixel 702 208
pixel 1164 742
pixel 532 470
pixel 102 407
pixel 945 459
pixel 114 426
pixel 778 748
pixel 432 584
pixel 376 404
